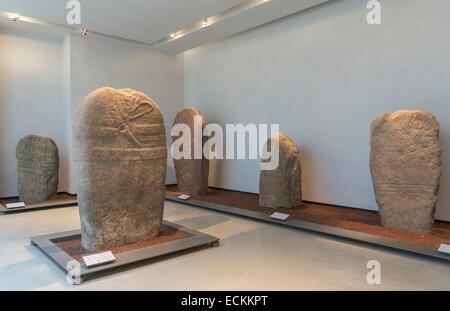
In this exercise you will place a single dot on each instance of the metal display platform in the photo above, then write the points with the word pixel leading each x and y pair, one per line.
pixel 38 206
pixel 349 235
pixel 194 239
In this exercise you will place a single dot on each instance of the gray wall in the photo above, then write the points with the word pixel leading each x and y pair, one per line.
pixel 97 61
pixel 44 75
pixel 324 75
pixel 30 97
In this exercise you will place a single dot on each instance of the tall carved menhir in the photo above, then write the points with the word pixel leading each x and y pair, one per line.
pixel 192 174
pixel 121 159
pixel 37 168
pixel 281 187
pixel 406 169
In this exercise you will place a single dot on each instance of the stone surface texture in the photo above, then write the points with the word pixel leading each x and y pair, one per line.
pixel 192 174
pixel 406 168
pixel 282 187
pixel 37 168
pixel 121 159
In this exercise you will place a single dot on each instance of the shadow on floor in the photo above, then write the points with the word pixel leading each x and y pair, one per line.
pixel 202 222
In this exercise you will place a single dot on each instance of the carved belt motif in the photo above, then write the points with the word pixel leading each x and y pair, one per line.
pixel 137 135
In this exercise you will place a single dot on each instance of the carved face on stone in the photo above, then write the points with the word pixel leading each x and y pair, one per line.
pixel 121 160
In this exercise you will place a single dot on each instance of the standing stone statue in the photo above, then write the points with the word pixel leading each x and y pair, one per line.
pixel 282 187
pixel 121 159
pixel 37 168
pixel 406 168
pixel 192 174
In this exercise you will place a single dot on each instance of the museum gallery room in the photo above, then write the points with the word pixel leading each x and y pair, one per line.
pixel 226 145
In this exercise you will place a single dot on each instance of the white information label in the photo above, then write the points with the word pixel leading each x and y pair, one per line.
pixel 445 248
pixel 15 205
pixel 280 216
pixel 184 197
pixel 99 259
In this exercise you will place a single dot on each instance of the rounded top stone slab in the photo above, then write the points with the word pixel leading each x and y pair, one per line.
pixel 121 160
pixel 287 145
pixel 123 117
pixel 400 116
pixel 406 167
pixel 37 168
pixel 281 187
pixel 186 116
pixel 192 174
pixel 33 143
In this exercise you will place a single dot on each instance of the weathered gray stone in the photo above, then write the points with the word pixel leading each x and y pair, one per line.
pixel 121 159
pixel 192 174
pixel 406 168
pixel 37 168
pixel 282 187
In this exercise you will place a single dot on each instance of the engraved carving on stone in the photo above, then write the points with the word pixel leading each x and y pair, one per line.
pixel 282 187
pixel 121 160
pixel 37 168
pixel 406 168
pixel 192 174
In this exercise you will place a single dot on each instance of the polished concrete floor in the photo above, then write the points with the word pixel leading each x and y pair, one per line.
pixel 252 256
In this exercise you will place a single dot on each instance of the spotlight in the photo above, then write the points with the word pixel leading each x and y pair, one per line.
pixel 15 17
pixel 205 23
pixel 173 36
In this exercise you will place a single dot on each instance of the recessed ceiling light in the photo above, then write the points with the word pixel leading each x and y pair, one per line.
pixel 15 17
pixel 84 31
pixel 208 21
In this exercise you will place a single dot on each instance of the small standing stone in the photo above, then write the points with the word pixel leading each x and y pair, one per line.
pixel 192 174
pixel 121 160
pixel 282 187
pixel 37 168
pixel 406 169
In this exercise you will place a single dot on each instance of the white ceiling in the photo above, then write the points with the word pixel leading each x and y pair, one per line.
pixel 150 21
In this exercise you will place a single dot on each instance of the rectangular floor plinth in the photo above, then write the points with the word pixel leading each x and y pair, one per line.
pixel 48 245
pixel 418 249
pixel 39 206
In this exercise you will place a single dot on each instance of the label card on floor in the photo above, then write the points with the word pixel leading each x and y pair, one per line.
pixel 15 205
pixel 99 259
pixel 280 216
pixel 445 248
pixel 184 197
